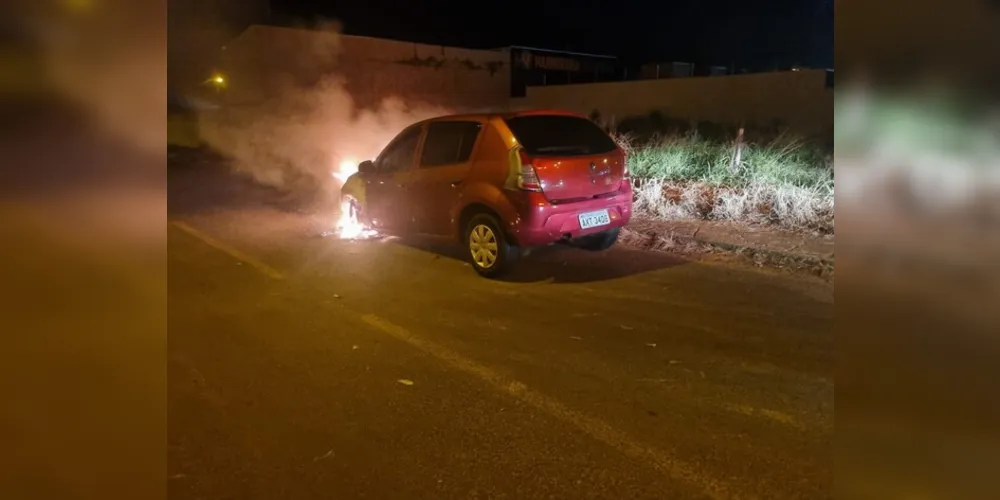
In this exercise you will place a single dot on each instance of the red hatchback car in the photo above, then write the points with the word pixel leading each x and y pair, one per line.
pixel 499 183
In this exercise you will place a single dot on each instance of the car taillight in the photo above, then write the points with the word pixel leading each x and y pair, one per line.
pixel 527 178
pixel 625 172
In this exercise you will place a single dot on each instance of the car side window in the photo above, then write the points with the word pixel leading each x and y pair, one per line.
pixel 448 143
pixel 399 155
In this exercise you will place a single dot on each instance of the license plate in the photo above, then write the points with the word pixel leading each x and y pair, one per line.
pixel 594 219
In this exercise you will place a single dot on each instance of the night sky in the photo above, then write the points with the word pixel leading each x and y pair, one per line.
pixel 753 34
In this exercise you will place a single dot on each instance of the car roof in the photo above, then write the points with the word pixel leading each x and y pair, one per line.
pixel 512 114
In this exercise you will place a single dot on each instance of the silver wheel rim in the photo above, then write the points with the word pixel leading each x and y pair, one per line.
pixel 483 246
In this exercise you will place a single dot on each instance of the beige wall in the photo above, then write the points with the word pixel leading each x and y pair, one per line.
pixel 797 98
pixel 267 60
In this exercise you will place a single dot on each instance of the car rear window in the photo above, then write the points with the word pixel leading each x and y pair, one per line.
pixel 560 135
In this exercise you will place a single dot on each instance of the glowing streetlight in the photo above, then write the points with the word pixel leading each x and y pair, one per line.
pixel 217 80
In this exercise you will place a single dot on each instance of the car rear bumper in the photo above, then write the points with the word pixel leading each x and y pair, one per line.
pixel 541 222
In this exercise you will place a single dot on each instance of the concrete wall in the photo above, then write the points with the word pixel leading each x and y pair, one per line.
pixel 265 61
pixel 197 29
pixel 798 99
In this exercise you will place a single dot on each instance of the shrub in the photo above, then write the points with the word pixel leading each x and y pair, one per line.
pixel 784 181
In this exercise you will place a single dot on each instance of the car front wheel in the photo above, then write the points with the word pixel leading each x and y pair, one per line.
pixel 491 255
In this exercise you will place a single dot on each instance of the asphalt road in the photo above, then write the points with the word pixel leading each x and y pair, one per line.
pixel 624 375
pixel 303 366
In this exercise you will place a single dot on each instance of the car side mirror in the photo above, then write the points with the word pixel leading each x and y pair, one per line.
pixel 366 168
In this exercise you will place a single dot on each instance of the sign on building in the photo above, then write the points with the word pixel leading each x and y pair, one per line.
pixel 533 61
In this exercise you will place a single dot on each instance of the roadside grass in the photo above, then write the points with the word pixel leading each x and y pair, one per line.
pixel 784 181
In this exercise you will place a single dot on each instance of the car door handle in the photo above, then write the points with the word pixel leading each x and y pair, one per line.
pixel 455 184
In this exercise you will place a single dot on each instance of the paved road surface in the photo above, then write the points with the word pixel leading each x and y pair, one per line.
pixel 303 366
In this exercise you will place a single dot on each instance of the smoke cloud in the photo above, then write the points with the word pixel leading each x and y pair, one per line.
pixel 297 140
pixel 108 60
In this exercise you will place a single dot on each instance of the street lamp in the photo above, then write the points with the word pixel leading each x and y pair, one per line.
pixel 217 80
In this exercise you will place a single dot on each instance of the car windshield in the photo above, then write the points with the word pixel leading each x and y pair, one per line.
pixel 560 135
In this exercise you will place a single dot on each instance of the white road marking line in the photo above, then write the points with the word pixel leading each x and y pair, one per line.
pixel 594 427
pixel 268 271
pixel 772 415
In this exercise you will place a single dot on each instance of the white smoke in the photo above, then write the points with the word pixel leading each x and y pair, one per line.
pixel 296 140
pixel 107 59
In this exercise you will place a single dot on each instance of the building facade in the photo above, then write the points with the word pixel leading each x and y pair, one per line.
pixel 531 66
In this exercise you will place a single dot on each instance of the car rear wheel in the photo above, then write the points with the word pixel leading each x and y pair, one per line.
pixel 600 241
pixel 490 253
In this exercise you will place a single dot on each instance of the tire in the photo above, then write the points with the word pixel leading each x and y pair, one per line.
pixel 600 241
pixel 480 232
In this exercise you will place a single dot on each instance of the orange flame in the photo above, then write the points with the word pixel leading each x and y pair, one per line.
pixel 348 167
pixel 348 225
